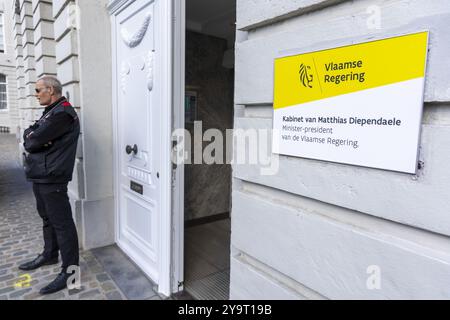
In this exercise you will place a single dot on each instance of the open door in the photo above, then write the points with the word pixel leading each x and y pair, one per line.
pixel 143 87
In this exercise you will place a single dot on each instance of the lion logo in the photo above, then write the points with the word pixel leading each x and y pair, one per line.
pixel 306 78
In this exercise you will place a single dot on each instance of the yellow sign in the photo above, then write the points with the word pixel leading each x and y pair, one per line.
pixel 360 104
pixel 23 282
pixel 329 73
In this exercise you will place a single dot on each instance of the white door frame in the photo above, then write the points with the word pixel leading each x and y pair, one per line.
pixel 179 57
pixel 165 45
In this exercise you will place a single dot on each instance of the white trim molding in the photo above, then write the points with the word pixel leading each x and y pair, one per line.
pixel 179 54
pixel 115 5
pixel 165 44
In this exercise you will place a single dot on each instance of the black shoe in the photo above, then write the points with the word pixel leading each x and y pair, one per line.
pixel 37 263
pixel 56 285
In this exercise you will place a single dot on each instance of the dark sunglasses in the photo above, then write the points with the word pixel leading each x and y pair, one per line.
pixel 39 90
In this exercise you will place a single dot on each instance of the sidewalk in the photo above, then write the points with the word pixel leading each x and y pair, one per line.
pixel 21 240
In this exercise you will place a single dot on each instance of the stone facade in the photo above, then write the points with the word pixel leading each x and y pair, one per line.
pixel 324 230
pixel 9 118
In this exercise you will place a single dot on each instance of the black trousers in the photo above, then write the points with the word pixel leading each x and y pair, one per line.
pixel 59 230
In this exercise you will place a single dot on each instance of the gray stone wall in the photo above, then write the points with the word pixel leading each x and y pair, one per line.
pixel 317 229
pixel 208 187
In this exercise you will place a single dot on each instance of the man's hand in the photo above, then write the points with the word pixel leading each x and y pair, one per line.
pixel 48 129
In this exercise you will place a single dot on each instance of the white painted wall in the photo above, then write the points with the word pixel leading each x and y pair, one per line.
pixel 95 74
pixel 318 226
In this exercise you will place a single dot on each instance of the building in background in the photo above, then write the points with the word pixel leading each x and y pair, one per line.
pixel 9 113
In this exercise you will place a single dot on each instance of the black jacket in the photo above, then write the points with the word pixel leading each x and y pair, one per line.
pixel 51 144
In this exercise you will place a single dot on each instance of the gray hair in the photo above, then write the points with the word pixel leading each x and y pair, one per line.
pixel 52 82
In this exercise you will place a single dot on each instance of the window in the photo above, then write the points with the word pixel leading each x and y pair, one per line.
pixel 2 42
pixel 3 96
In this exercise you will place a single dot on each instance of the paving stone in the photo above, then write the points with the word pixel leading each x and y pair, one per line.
pixel 92 263
pixel 34 283
pixel 7 277
pixel 6 290
pixel 108 286
pixel 74 292
pixel 114 295
pixel 86 278
pixel 19 293
pixel 42 274
pixel 20 253
pixel 96 269
pixel 54 296
pixel 50 277
pixel 103 277
pixel 32 296
pixel 12 282
pixel 89 294
pixel 11 243
pixel 5 266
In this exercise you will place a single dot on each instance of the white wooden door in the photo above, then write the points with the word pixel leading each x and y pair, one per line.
pixel 146 56
pixel 139 134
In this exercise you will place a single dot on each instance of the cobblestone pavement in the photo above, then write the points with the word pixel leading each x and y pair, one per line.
pixel 21 240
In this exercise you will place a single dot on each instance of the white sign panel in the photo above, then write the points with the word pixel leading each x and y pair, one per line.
pixel 359 104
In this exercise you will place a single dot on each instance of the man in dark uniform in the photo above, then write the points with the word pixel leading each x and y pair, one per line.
pixel 51 145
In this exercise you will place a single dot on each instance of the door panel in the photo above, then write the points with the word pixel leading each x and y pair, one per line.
pixel 138 132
